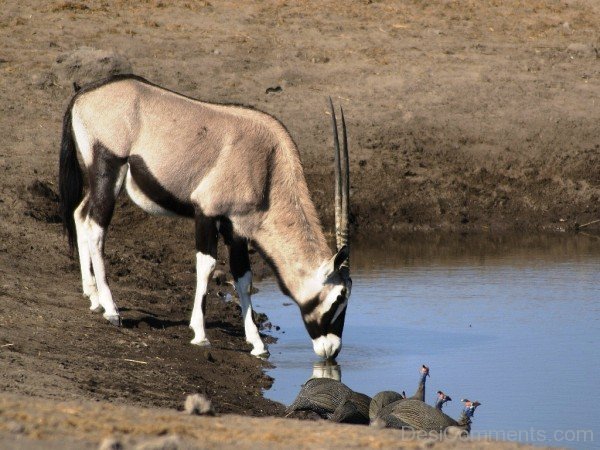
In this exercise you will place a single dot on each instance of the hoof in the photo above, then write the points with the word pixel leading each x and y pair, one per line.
pixel 113 319
pixel 200 342
pixel 96 308
pixel 260 353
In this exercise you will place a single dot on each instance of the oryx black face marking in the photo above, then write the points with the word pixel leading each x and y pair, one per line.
pixel 234 170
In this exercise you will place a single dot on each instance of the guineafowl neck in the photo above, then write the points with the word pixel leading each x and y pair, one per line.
pixel 420 393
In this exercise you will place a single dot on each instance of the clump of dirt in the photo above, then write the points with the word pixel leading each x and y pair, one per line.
pixel 85 65
pixel 42 203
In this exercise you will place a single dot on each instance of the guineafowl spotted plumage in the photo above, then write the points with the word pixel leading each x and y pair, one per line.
pixel 417 415
pixel 419 394
pixel 381 400
pixel 354 410
pixel 328 399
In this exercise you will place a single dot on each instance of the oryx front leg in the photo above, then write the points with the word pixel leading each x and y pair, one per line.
pixel 206 246
pixel 240 269
pixel 83 247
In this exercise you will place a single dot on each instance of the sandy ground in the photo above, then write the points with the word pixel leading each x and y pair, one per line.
pixel 82 425
pixel 463 116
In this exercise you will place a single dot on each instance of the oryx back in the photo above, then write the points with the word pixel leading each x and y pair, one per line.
pixel 183 156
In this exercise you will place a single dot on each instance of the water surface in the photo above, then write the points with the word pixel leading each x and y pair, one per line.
pixel 511 322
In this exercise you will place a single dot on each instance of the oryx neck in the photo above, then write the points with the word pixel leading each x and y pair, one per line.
pixel 297 261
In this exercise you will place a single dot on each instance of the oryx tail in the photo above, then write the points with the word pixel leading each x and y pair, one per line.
pixel 70 179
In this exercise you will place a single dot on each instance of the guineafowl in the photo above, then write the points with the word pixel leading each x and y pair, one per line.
pixel 417 415
pixel 324 396
pixel 385 410
pixel 441 399
pixel 382 399
pixel 355 409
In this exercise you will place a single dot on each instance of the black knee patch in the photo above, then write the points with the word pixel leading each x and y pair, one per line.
pixel 104 174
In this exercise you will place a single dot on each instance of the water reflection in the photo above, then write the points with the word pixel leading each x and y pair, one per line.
pixel 327 369
pixel 480 249
pixel 502 319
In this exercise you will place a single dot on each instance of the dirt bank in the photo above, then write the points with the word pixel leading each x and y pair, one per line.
pixel 462 116
pixel 33 424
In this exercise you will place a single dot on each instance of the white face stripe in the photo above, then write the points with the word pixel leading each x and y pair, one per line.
pixel 332 297
pixel 340 309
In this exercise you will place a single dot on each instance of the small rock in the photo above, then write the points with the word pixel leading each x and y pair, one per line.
pixel 198 404
pixel 208 356
pixel 427 443
pixel 110 443
pixel 15 427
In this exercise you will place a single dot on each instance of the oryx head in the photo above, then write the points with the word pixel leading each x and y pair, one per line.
pixel 325 313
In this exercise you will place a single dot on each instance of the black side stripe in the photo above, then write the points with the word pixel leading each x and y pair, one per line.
pixel 152 189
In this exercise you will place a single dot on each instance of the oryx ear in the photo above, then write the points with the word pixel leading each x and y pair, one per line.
pixel 336 260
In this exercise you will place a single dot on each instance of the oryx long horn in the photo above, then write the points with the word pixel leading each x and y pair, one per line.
pixel 338 178
pixel 345 166
pixel 342 182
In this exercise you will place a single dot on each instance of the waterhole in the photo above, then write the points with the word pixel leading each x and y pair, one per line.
pixel 513 322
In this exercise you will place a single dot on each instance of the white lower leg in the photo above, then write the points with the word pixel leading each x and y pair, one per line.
pixel 85 261
pixel 243 286
pixel 205 265
pixel 96 236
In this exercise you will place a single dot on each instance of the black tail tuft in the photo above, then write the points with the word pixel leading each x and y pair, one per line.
pixel 70 180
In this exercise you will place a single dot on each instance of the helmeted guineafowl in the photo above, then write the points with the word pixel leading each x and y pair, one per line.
pixel 354 410
pixel 419 394
pixel 382 399
pixel 417 415
pixel 324 396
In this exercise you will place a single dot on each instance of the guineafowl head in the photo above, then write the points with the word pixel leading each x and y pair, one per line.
pixel 470 407
pixel 424 372
pixel 441 399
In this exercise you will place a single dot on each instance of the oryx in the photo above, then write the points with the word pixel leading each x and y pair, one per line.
pixel 235 170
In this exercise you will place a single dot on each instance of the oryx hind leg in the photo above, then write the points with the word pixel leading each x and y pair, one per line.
pixel 239 260
pixel 206 259
pixel 87 277
pixel 106 179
